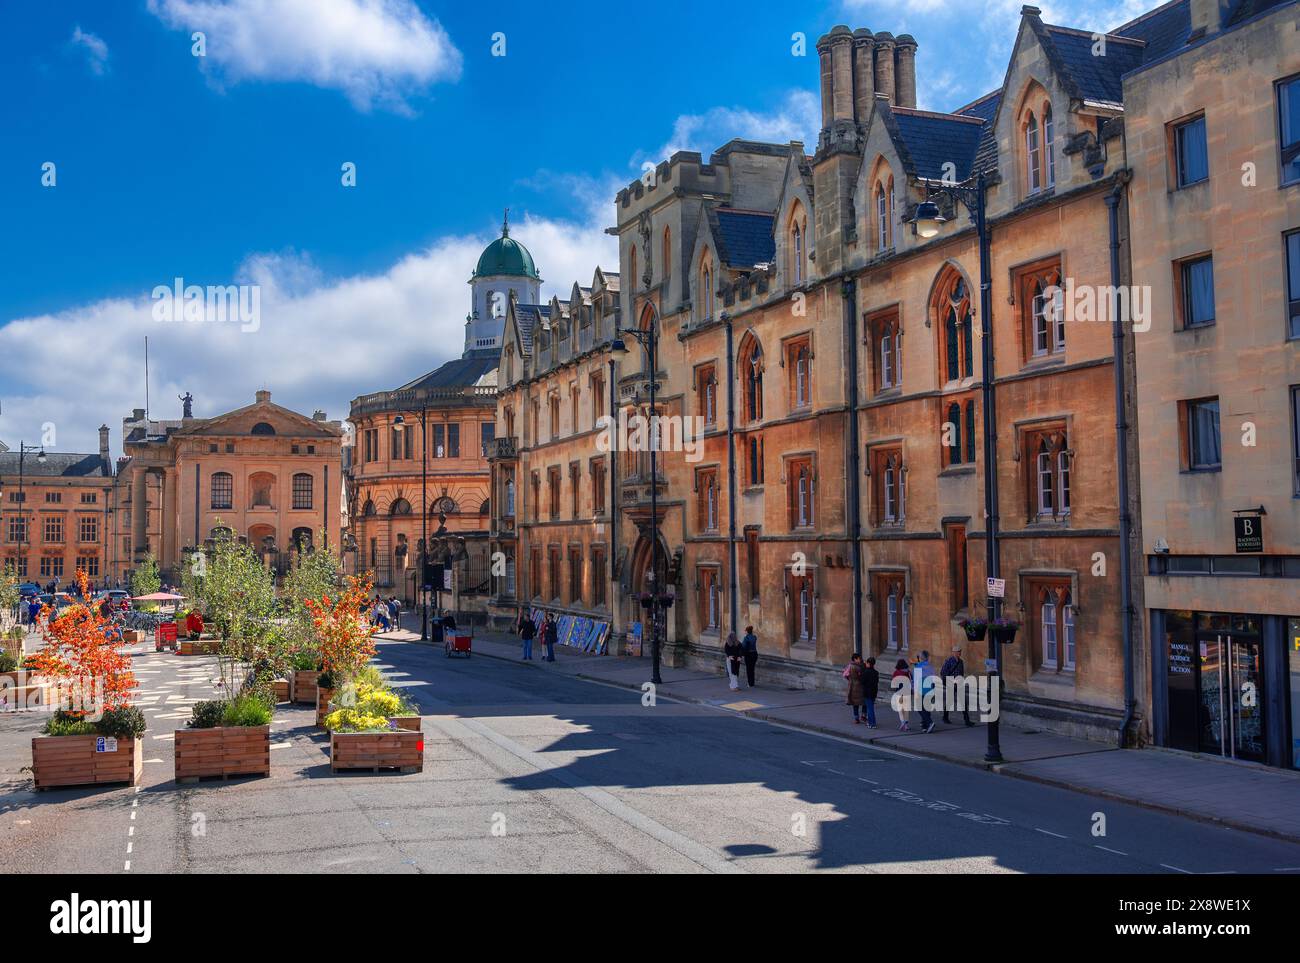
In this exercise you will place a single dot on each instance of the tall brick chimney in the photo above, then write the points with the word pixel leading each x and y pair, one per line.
pixel 885 65
pixel 103 449
pixel 905 73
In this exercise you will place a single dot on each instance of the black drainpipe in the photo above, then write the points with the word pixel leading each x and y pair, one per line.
pixel 850 295
pixel 1121 444
pixel 731 474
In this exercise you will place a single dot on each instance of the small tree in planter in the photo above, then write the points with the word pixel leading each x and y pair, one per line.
pixel 343 638
pixel 98 729
pixel 145 578
pixel 238 594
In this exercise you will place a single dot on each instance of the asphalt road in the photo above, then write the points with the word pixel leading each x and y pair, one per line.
pixel 529 771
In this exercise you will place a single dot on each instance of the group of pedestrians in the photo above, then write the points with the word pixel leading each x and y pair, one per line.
pixel 741 650
pixel 864 687
pixel 527 629
pixel 386 613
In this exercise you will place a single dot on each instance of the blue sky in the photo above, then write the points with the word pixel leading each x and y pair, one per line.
pixel 228 167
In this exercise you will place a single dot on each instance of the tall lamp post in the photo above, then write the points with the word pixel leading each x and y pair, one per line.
pixel 971 194
pixel 23 449
pixel 400 423
pixel 658 597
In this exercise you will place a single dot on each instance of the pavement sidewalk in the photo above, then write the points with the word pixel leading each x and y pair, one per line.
pixel 1238 795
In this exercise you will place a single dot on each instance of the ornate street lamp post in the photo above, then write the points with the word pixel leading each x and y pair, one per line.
pixel 23 449
pixel 400 423
pixel 971 194
pixel 656 599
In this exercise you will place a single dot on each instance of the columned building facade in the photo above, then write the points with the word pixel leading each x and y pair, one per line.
pixel 263 474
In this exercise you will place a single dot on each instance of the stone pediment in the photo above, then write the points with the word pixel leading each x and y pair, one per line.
pixel 242 421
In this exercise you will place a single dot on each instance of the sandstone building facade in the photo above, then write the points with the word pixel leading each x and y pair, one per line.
pixel 262 473
pixel 1213 135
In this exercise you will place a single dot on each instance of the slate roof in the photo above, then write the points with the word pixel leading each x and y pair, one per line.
pixel 527 316
pixel 986 109
pixel 57 465
pixel 457 373
pixel 1096 78
pixel 934 140
pixel 744 238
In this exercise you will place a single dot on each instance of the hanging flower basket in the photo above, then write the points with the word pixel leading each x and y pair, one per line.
pixel 1004 630
pixel 976 629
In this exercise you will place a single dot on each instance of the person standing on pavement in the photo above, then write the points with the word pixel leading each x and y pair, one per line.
pixel 900 672
pixel 550 635
pixel 870 689
pixel 923 673
pixel 733 652
pixel 953 668
pixel 853 673
pixel 395 611
pixel 527 630
pixel 750 645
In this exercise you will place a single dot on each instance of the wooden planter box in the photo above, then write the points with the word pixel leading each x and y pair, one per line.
pixel 73 761
pixel 282 690
pixel 130 636
pixel 409 723
pixel 304 685
pixel 201 647
pixel 401 750
pixel 223 751
pixel 31 696
pixel 323 697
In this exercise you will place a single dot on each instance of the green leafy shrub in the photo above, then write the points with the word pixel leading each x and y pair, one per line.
pixel 305 659
pixel 207 714
pixel 65 724
pixel 126 722
pixel 247 710
pixel 325 680
pixel 8 662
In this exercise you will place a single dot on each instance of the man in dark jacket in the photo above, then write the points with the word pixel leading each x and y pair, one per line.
pixel 870 689
pixel 750 644
pixel 953 668
pixel 527 630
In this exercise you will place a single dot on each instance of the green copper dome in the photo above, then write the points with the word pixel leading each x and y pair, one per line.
pixel 506 256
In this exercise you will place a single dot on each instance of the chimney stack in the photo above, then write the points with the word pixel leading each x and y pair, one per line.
pixel 103 447
pixel 905 77
pixel 1208 17
pixel 885 65
pixel 263 396
pixel 864 74
pixel 827 80
pixel 842 72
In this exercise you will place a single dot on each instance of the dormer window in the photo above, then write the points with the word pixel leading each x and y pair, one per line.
pixel 706 287
pixel 798 230
pixel 1049 139
pixel 1038 129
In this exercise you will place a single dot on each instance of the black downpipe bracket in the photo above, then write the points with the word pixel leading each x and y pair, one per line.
pixel 849 291
pixel 1121 444
pixel 731 475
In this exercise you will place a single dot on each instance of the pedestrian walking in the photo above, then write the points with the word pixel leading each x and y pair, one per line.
pixel 953 668
pixel 527 630
pixel 550 635
pixel 750 644
pixel 395 611
pixel 900 673
pixel 853 673
pixel 870 689
pixel 380 615
pixel 923 673
pixel 733 653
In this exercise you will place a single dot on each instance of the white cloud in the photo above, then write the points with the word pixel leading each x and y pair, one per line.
pixel 96 49
pixel 321 341
pixel 377 52
pixel 797 116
